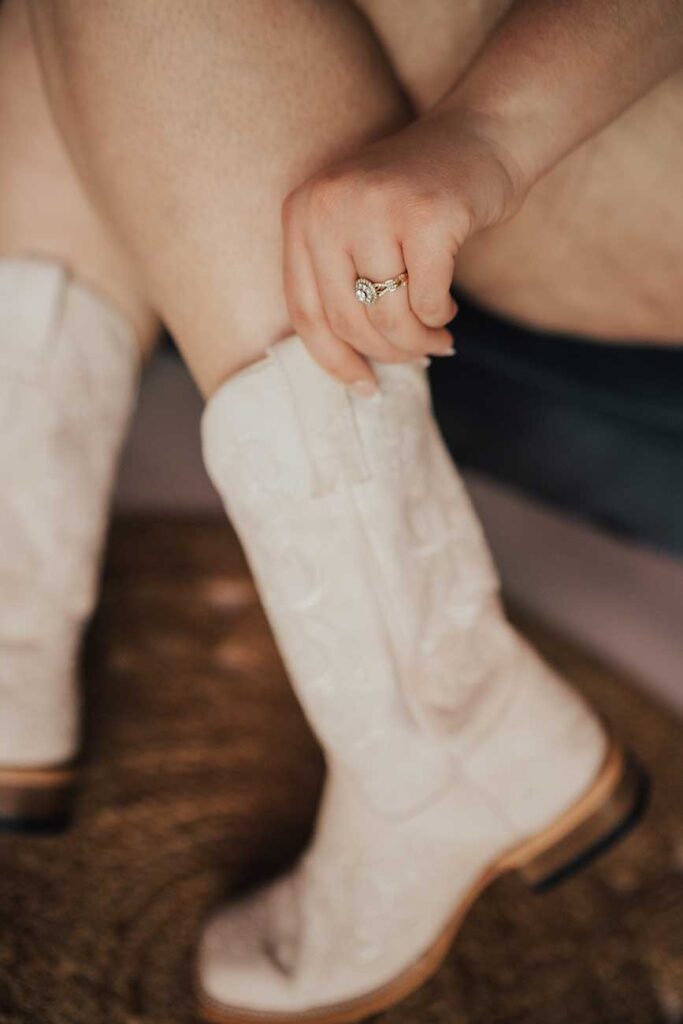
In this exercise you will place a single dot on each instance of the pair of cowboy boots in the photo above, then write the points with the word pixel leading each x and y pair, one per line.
pixel 454 753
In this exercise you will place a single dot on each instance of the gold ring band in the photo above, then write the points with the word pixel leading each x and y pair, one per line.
pixel 368 292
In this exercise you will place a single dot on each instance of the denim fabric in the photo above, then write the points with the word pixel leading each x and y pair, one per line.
pixel 595 429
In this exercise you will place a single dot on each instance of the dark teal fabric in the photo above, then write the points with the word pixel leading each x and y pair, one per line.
pixel 594 429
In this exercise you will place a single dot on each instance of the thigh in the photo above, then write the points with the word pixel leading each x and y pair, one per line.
pixel 429 44
pixel 235 104
pixel 43 208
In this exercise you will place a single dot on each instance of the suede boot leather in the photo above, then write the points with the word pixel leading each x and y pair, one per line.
pixel 447 740
pixel 69 367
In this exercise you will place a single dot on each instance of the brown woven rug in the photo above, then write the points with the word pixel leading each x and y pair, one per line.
pixel 200 776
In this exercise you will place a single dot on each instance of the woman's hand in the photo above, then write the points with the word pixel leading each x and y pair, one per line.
pixel 406 202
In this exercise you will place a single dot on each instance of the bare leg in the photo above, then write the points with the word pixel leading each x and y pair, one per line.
pixel 588 253
pixel 430 44
pixel 44 210
pixel 368 557
pixel 72 327
pixel 234 105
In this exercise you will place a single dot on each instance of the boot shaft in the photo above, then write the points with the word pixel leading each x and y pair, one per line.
pixel 69 367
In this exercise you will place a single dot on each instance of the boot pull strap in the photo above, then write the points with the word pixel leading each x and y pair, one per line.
pixel 31 301
pixel 324 412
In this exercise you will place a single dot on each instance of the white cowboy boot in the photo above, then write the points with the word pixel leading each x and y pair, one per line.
pixel 69 366
pixel 454 753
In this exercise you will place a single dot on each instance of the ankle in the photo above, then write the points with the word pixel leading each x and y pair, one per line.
pixel 214 353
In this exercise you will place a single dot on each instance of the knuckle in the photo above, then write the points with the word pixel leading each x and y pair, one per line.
pixel 386 318
pixel 427 211
pixel 460 221
pixel 341 323
pixel 376 197
pixel 428 307
pixel 383 204
pixel 326 194
pixel 302 317
pixel 289 207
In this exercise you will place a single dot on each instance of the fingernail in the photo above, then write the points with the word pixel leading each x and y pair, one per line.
pixel 424 363
pixel 365 388
pixel 445 352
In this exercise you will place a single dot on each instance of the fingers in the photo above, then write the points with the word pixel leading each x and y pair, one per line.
pixel 336 276
pixel 430 276
pixel 309 320
pixel 328 245
pixel 392 315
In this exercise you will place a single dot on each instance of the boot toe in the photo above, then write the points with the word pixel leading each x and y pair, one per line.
pixel 236 967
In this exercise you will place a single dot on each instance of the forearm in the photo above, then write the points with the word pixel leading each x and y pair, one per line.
pixel 557 71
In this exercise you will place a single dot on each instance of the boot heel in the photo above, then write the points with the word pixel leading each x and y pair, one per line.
pixel 36 800
pixel 614 805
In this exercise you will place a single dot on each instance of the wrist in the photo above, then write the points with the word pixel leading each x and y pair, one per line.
pixel 498 153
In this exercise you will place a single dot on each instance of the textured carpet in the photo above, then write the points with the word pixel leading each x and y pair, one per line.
pixel 200 776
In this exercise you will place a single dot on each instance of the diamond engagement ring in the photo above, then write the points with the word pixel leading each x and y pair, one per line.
pixel 368 292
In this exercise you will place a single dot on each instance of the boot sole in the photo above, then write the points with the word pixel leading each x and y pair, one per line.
pixel 603 815
pixel 36 799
